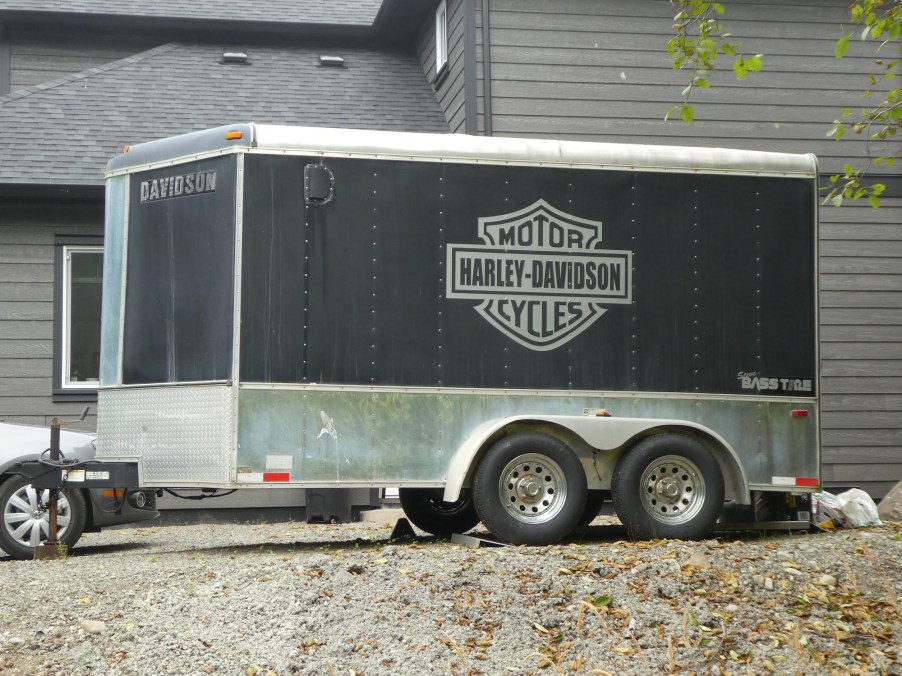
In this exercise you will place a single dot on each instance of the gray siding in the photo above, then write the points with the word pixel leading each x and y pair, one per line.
pixel 36 57
pixel 27 234
pixel 586 70
pixel 450 92
pixel 861 345
pixel 598 71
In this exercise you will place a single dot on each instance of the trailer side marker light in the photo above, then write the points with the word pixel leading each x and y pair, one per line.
pixel 276 476
pixel 125 149
pixel 233 135
pixel 112 494
pixel 794 481
pixel 801 413
pixel 603 414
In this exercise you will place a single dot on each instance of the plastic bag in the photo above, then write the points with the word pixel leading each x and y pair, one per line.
pixel 852 509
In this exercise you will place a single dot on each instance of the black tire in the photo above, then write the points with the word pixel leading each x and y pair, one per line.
pixel 24 522
pixel 668 486
pixel 427 511
pixel 594 502
pixel 530 489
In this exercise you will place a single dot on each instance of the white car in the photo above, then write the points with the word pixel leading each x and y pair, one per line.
pixel 25 512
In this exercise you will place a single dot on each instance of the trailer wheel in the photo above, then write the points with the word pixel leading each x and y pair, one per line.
pixel 530 489
pixel 428 512
pixel 668 486
pixel 26 517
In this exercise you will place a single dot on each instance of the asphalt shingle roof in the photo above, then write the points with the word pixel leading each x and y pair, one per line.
pixel 64 131
pixel 336 12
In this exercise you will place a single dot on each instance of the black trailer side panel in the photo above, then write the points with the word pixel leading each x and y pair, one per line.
pixel 355 291
pixel 179 293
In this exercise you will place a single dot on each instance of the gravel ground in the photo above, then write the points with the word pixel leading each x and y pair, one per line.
pixel 298 598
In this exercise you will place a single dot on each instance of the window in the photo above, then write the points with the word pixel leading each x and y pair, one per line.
pixel 79 289
pixel 441 36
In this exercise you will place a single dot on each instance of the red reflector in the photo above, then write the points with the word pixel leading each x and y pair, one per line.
pixel 804 481
pixel 799 414
pixel 276 476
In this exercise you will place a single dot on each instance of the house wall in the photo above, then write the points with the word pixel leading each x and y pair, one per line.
pixel 586 70
pixel 449 90
pixel 27 233
pixel 37 56
pixel 861 345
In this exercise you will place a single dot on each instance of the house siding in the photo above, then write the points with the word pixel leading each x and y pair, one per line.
pixel 451 90
pixel 584 70
pixel 27 233
pixel 38 56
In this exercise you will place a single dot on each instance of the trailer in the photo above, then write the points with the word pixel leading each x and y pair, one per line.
pixel 508 330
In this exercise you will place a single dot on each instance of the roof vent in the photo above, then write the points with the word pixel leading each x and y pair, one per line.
pixel 234 56
pixel 331 61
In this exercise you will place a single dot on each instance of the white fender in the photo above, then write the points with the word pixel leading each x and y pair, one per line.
pixel 603 433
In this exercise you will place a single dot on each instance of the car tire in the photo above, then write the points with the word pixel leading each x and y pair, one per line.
pixel 530 489
pixel 668 486
pixel 429 512
pixel 25 520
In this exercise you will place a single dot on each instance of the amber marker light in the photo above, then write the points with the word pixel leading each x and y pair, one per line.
pixel 125 149
pixel 603 414
pixel 233 135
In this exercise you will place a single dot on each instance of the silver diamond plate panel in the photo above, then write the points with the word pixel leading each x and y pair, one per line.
pixel 182 435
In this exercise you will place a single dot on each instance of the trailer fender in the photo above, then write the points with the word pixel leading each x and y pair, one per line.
pixel 611 435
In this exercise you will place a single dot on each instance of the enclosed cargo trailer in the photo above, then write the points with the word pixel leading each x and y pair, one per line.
pixel 509 330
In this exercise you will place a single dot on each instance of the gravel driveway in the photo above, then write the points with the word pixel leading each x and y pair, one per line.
pixel 298 598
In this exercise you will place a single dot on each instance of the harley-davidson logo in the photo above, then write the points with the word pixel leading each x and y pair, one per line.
pixel 541 274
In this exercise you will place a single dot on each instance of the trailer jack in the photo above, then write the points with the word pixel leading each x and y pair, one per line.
pixel 52 549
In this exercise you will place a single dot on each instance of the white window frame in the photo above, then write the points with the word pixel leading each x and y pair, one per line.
pixel 65 354
pixel 441 36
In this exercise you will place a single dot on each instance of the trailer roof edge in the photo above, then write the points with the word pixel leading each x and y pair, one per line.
pixel 465 148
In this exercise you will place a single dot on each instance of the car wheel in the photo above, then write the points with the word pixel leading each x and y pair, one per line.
pixel 530 488
pixel 427 511
pixel 26 517
pixel 668 486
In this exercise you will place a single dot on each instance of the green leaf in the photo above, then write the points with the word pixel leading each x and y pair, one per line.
pixel 687 115
pixel 842 46
pixel 874 201
pixel 878 188
pixel 739 69
pixel 718 8
pixel 728 49
pixel 848 170
pixel 601 601
pixel 753 64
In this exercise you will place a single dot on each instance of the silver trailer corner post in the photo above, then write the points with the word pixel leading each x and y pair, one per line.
pixel 509 330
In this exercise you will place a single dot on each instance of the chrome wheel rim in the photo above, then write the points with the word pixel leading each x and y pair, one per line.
pixel 532 488
pixel 26 516
pixel 673 489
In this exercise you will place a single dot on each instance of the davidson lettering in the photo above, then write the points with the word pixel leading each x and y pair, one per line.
pixel 181 185
pixel 597 275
